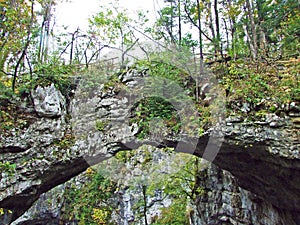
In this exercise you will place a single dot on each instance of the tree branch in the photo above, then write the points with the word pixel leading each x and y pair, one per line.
pixel 24 49
pixel 194 23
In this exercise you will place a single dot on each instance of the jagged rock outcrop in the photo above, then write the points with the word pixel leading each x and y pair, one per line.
pixel 46 210
pixel 224 202
pixel 264 158
pixel 48 102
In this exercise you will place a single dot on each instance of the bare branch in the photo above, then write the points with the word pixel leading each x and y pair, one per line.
pixel 194 23
pixel 24 49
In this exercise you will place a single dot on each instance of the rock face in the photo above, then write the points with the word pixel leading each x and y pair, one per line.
pixel 46 210
pixel 264 158
pixel 48 102
pixel 224 202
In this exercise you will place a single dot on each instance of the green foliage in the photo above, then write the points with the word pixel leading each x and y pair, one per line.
pixel 205 119
pixel 100 216
pixel 166 21
pixel 88 204
pixel 281 25
pixel 98 76
pixel 3 211
pixel 182 184
pixel 142 157
pixel 8 167
pixel 6 93
pixel 155 108
pixel 53 72
pixel 188 41
pixel 178 182
pixel 182 187
pixel 164 69
pixel 291 27
pixel 66 142
pixel 101 125
pixel 10 118
pixel 262 84
pixel 239 46
pixel 124 156
pixel 110 25
pixel 45 74
pixel 7 122
pixel 176 214
pixel 14 25
pixel 113 83
pixel 169 85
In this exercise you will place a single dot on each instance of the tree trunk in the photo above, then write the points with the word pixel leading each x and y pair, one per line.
pixel 179 23
pixel 24 49
pixel 200 49
pixel 73 36
pixel 252 48
pixel 211 26
pixel 262 36
pixel 219 43
pixel 45 31
pixel 145 204
pixel 253 35
pixel 232 28
pixel 227 34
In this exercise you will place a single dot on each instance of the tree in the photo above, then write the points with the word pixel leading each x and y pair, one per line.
pixel 45 29
pixel 183 187
pixel 19 36
pixel 111 26
pixel 165 25
pixel 90 202
pixel 279 22
pixel 250 29
pixel 170 20
pixel 231 13
pixel 15 33
pixel 217 21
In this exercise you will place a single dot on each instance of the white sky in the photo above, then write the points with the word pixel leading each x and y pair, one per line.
pixel 75 13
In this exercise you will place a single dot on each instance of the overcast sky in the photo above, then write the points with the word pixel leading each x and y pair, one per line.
pixel 75 13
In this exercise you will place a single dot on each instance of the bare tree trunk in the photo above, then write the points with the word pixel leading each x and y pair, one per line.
pixel 73 35
pixel 45 32
pixel 232 27
pixel 262 41
pixel 122 48
pixel 179 23
pixel 262 36
pixel 211 26
pixel 227 33
pixel 219 42
pixel 200 49
pixel 40 49
pixel 253 37
pixel 23 54
pixel 252 48
pixel 232 24
pixel 145 204
pixel 195 24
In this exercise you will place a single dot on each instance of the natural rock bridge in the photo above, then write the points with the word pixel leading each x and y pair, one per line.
pixel 56 147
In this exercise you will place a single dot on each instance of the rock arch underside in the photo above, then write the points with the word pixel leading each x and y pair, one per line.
pixel 263 157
